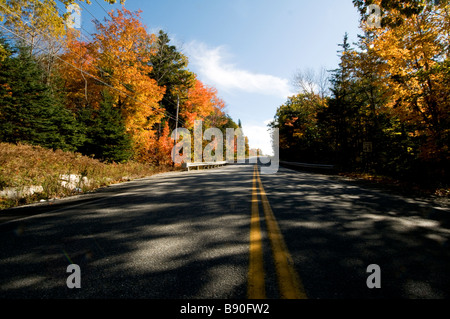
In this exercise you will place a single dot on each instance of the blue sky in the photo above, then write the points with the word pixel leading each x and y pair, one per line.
pixel 249 49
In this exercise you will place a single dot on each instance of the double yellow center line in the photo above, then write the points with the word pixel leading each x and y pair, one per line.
pixel 289 284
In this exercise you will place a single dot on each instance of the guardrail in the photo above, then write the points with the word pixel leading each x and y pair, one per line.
pixel 204 165
pixel 307 165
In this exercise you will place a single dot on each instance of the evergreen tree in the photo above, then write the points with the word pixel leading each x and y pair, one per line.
pixel 341 119
pixel 169 69
pixel 29 111
pixel 106 133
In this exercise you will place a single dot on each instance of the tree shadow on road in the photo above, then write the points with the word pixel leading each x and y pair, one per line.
pixel 166 238
pixel 335 229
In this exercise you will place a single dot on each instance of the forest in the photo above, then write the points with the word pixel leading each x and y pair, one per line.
pixel 385 109
pixel 82 110
pixel 115 96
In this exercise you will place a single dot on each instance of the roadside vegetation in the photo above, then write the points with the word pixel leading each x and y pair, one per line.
pixel 384 113
pixel 31 174
pixel 79 112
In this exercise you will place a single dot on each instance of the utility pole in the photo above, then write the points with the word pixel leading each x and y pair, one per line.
pixel 178 109
pixel 176 129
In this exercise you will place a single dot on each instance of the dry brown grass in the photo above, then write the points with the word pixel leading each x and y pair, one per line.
pixel 22 166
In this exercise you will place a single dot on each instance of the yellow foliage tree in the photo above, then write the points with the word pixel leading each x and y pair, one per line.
pixel 40 25
pixel 414 66
pixel 124 47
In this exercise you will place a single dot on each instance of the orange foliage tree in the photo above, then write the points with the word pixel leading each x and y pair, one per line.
pixel 125 47
pixel 117 60
pixel 78 72
pixel 202 103
pixel 198 104
pixel 162 147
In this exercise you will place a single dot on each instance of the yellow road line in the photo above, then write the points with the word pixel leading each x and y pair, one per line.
pixel 289 282
pixel 256 283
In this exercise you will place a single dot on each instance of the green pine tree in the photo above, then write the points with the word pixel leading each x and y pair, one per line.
pixel 107 139
pixel 29 111
pixel 170 71
pixel 341 120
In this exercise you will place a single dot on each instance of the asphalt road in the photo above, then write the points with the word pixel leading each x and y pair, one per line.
pixel 186 235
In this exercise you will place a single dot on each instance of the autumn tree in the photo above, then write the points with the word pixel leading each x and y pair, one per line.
pixel 81 78
pixel 27 16
pixel 412 46
pixel 119 89
pixel 299 128
pixel 117 60
pixel 35 21
pixel 125 49
pixel 39 25
pixel 202 103
pixel 161 152
pixel 195 100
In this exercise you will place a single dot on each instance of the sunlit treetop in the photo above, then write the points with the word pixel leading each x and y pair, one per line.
pixel 394 12
pixel 25 16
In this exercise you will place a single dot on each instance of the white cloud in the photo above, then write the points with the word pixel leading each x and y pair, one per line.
pixel 259 137
pixel 213 67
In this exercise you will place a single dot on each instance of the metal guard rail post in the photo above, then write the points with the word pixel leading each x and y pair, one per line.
pixel 307 165
pixel 205 165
